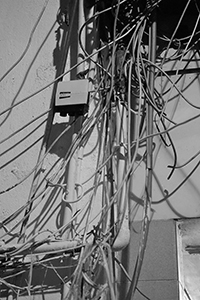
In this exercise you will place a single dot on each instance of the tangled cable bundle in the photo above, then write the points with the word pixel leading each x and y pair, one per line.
pixel 137 67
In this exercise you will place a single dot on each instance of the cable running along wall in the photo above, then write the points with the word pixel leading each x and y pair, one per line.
pixel 139 68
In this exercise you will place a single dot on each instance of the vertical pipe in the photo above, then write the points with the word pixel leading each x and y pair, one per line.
pixel 73 175
pixel 151 78
pixel 149 160
pixel 80 68
pixel 81 21
pixel 67 38
pixel 72 167
pixel 123 232
pixel 121 213
pixel 69 197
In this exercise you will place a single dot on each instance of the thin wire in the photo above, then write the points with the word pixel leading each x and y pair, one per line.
pixel 13 104
pixel 23 127
pixel 174 85
pixel 175 30
pixel 39 163
pixel 168 195
pixel 102 114
pixel 187 162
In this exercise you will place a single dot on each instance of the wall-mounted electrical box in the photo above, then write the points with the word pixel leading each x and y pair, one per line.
pixel 72 97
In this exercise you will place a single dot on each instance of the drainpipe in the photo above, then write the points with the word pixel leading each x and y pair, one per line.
pixel 151 77
pixel 123 232
pixel 149 159
pixel 76 160
pixel 80 68
pixel 65 47
pixel 73 174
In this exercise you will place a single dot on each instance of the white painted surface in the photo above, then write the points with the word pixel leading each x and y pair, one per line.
pixel 37 70
pixel 17 160
pixel 34 71
pixel 185 201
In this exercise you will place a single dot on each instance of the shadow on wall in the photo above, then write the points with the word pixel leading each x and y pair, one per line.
pixel 49 274
pixel 61 130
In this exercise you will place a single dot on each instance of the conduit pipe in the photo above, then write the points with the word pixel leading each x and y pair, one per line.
pixel 76 159
pixel 149 160
pixel 51 247
pixel 69 196
pixel 80 68
pixel 123 232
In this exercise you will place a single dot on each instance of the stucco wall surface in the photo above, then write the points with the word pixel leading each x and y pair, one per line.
pixel 19 32
pixel 24 131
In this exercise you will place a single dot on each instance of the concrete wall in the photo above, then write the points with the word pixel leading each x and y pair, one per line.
pixel 159 276
pixel 34 71
pixel 183 201
pixel 20 152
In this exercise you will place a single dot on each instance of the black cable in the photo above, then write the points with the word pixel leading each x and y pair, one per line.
pixel 187 162
pixel 171 144
pixel 168 195
pixel 23 127
pixel 145 296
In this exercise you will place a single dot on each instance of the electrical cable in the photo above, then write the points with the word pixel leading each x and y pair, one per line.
pixel 168 195
pixel 133 78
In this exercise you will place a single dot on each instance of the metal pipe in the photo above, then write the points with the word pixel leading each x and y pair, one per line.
pixel 149 160
pixel 151 78
pixel 73 175
pixel 65 47
pixel 123 232
pixel 49 247
pixel 80 68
